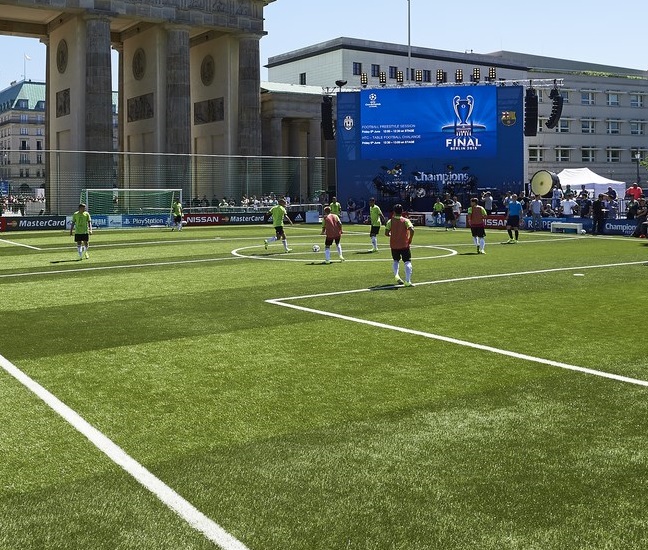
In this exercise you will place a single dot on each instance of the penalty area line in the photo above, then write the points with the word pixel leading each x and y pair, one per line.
pixel 163 492
pixel 473 345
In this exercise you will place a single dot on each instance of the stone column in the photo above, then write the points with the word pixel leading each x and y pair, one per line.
pixel 98 103
pixel 178 113
pixel 98 85
pixel 178 109
pixel 276 136
pixel 249 109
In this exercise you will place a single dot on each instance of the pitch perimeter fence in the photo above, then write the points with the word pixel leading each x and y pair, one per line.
pixel 62 175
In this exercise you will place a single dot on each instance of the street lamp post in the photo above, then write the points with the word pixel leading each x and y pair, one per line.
pixel 637 158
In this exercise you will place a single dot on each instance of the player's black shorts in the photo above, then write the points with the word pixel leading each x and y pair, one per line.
pixel 328 242
pixel 375 229
pixel 279 230
pixel 177 219
pixel 449 215
pixel 478 231
pixel 405 254
pixel 513 221
pixel 81 237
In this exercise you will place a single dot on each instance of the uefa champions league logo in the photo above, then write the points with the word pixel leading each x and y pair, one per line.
pixel 463 108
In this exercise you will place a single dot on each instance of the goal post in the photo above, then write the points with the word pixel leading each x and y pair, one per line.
pixel 130 201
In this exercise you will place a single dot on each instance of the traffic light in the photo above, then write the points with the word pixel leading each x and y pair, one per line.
pixel 556 108
pixel 530 113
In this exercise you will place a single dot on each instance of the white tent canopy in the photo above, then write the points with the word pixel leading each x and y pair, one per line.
pixel 594 184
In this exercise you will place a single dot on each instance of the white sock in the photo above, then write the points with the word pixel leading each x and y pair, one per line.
pixel 80 250
pixel 285 243
pixel 374 241
pixel 408 271
pixel 327 254
pixel 271 239
pixel 339 249
pixel 476 240
pixel 395 268
pixel 482 243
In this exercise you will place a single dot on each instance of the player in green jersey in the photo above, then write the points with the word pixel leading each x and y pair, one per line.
pixel 376 219
pixel 279 214
pixel 82 228
pixel 176 212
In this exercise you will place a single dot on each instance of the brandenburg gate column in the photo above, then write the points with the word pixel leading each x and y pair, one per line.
pixel 98 85
pixel 249 108
pixel 178 96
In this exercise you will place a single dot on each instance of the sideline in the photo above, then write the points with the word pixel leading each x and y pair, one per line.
pixel 163 492
pixel 19 244
pixel 548 362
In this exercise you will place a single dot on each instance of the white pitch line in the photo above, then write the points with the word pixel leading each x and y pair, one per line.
pixel 183 508
pixel 123 266
pixel 20 244
pixel 482 347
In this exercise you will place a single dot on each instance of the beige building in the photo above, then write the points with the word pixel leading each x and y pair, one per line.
pixel 604 120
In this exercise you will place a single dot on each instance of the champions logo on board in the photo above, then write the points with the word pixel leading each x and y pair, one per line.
pixel 463 126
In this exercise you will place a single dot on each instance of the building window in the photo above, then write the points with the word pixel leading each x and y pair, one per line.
pixel 587 126
pixel 588 155
pixel 613 127
pixel 24 119
pixel 563 126
pixel 587 98
pixel 562 155
pixel 565 96
pixel 613 155
pixel 393 71
pixel 636 100
pixel 357 68
pixel 26 172
pixel 375 70
pixel 612 99
pixel 24 132
pixel 39 145
pixel 39 131
pixel 637 128
pixel 24 158
pixel 302 78
pixel 536 154
pixel 427 75
pixel 39 158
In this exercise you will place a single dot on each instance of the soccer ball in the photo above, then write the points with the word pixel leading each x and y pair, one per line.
pixel 583 232
pixel 316 248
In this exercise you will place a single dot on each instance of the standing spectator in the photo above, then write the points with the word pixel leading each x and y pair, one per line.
pixel 612 205
pixel 556 196
pixel 634 191
pixel 279 214
pixel 632 209
pixel 535 210
pixel 598 215
pixel 332 228
pixel 568 206
pixel 351 210
pixel 585 206
pixel 456 211
pixel 611 193
pixel 642 216
pixel 335 206
pixel 438 212
pixel 448 211
pixel 514 214
pixel 475 219
pixel 400 232
pixel 488 202
pixel 82 229
pixel 376 219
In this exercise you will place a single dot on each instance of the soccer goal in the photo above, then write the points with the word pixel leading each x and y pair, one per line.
pixel 130 201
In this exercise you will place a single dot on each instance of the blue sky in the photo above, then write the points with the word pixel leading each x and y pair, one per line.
pixel 592 32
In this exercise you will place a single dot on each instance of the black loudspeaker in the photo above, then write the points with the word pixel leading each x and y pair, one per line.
pixel 328 129
pixel 556 109
pixel 530 113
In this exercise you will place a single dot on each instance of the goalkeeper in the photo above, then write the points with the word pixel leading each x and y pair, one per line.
pixel 176 213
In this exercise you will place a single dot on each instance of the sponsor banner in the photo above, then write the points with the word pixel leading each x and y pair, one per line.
pixel 33 223
pixel 140 220
pixel 4 188
pixel 235 219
